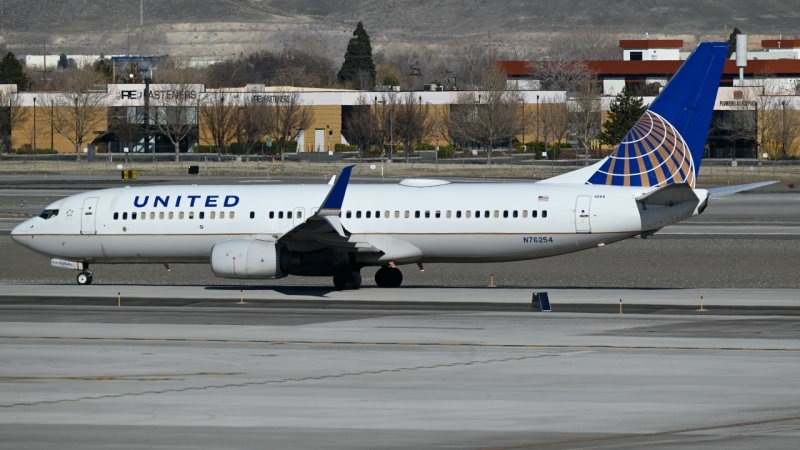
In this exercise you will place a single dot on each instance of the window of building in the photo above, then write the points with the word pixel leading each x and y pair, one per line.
pixel 124 216
pixel 252 214
pixel 212 214
pixel 180 215
pixel 230 216
pixel 116 216
pixel 544 214
pixel 202 215
pixel 635 56
pixel 534 213
pixel 427 214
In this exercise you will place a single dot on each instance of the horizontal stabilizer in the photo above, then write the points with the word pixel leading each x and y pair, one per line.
pixel 669 195
pixel 728 190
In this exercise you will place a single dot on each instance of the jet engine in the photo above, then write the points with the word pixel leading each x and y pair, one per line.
pixel 247 258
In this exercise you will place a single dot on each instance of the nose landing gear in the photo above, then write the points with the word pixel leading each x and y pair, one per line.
pixel 85 278
pixel 388 277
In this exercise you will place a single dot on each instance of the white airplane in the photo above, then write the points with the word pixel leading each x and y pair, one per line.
pixel 262 232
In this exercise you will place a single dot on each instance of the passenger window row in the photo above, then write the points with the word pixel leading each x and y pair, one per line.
pixel 286 215
pixel 448 214
pixel 171 215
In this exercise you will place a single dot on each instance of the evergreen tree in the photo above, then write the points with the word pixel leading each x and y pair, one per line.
pixel 63 62
pixel 358 60
pixel 12 72
pixel 732 42
pixel 623 113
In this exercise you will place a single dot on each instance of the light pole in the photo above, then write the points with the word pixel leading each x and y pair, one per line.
pixel 34 127
pixel 144 67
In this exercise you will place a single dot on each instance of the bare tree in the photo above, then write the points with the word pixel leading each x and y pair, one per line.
pixel 292 117
pixel 384 109
pixel 585 114
pixel 413 122
pixel 218 116
pixel 126 125
pixel 78 112
pixel 256 117
pixel 361 124
pixel 560 73
pixel 12 116
pixel 553 119
pixel 491 116
pixel 173 109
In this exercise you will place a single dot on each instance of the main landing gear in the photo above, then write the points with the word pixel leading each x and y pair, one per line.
pixel 347 280
pixel 388 277
pixel 85 278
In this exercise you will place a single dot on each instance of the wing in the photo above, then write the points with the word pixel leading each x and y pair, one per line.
pixel 728 190
pixel 324 229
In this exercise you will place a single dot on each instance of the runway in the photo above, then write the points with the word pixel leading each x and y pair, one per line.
pixel 104 377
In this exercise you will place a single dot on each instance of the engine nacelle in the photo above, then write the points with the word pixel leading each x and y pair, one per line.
pixel 246 258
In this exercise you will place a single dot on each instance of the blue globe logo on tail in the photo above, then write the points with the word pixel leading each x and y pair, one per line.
pixel 653 153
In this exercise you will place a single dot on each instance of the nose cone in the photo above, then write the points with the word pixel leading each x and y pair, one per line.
pixel 19 232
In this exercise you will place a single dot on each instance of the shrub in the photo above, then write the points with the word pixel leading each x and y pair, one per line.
pixel 345 148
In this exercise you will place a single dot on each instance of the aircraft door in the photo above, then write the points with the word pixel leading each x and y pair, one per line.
pixel 89 216
pixel 299 216
pixel 582 222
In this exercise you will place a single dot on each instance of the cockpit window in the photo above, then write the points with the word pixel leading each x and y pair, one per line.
pixel 48 213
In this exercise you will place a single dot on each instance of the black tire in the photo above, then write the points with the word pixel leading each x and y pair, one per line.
pixel 341 280
pixel 84 278
pixel 387 277
pixel 355 280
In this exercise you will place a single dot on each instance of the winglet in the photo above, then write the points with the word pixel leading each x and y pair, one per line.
pixel 333 202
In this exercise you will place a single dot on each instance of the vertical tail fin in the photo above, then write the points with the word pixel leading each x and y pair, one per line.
pixel 667 143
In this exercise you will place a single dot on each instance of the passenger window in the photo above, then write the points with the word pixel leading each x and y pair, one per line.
pixel 358 214
pixel 171 215
pixel 505 214
pixel 448 214
pixel 477 214
pixel 544 214
pixel 161 215
pixel 524 213
pixel 458 214
pixel 133 216
pixel 369 214
pixel 143 215
pixel 202 214
pixel 416 214
pixel 407 214
pixel 191 214
pixel 486 214
pixel 427 214
pixel 280 214
pixel 386 214
pixel 116 216
pixel 534 213
pixel 438 214
pixel 222 214
pixel 349 214
pixel 468 213
pixel 289 215
pixel 152 216
pixel 496 214
pixel 252 214
pixel 377 214
pixel 230 216
pixel 299 215
pixel 272 214
pixel 212 214
pixel 124 216
pixel 180 215
pixel 397 214
pixel 515 214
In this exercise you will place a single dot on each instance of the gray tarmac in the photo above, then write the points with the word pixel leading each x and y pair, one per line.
pixel 209 378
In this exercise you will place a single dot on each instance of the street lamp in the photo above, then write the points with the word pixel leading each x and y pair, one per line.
pixel 144 67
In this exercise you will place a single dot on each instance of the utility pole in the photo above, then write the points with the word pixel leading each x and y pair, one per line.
pixel 141 27
pixel 44 65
